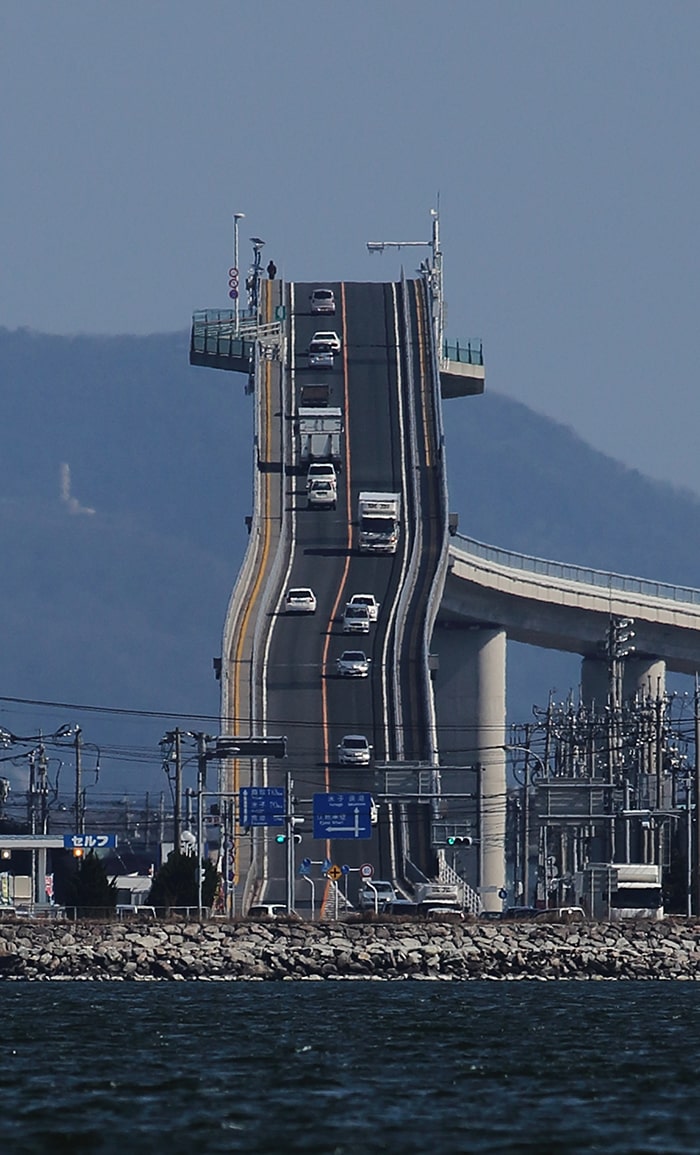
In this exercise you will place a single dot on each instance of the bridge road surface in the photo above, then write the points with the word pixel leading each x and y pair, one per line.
pixel 305 699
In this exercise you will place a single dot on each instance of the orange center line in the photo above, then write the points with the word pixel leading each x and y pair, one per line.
pixel 344 578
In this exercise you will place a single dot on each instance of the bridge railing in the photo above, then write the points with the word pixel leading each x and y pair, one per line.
pixel 575 573
pixel 469 352
pixel 214 333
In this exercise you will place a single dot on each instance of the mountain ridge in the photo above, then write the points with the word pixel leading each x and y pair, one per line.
pixel 124 607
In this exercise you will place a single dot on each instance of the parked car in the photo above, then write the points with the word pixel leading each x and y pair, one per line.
pixel 562 914
pixel 322 301
pixel 266 910
pixel 356 619
pixel 329 337
pixel 321 470
pixel 380 891
pixel 300 601
pixel 520 912
pixel 354 750
pixel 320 355
pixel 322 493
pixel 353 664
pixel 270 910
pixel 368 600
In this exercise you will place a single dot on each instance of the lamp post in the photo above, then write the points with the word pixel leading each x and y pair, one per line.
pixel 236 218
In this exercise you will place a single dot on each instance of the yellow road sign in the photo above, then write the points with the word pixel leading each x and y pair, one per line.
pixel 334 873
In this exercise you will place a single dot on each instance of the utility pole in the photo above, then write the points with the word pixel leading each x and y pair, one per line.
pixel 79 808
pixel 201 740
pixel 177 819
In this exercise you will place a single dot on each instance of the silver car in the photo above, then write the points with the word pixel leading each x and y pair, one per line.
pixel 323 301
pixel 354 750
pixel 356 620
pixel 320 355
pixel 353 664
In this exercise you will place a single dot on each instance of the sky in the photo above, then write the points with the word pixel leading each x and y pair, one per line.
pixel 561 139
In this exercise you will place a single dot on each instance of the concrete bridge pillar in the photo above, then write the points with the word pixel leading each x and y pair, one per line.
pixel 646 676
pixel 470 688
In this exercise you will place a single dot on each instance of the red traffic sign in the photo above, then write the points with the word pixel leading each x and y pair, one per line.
pixel 366 870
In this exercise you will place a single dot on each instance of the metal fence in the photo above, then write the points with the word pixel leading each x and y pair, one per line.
pixel 575 573
pixel 469 352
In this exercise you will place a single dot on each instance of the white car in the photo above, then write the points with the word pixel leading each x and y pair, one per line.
pixel 322 494
pixel 301 601
pixel 382 894
pixel 353 664
pixel 321 471
pixel 356 620
pixel 322 301
pixel 354 750
pixel 368 600
pixel 329 338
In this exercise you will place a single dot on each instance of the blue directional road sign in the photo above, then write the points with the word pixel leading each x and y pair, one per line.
pixel 262 806
pixel 89 841
pixel 343 815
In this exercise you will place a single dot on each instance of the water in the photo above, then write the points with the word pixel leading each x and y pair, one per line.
pixel 332 1068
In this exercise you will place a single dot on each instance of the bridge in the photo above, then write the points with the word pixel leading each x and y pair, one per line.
pixel 434 705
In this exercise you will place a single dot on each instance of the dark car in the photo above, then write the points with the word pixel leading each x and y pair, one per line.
pixel 520 912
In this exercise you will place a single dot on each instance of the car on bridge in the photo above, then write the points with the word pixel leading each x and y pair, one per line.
pixel 300 601
pixel 321 470
pixel 322 301
pixel 320 355
pixel 354 750
pixel 353 664
pixel 322 494
pixel 330 337
pixel 356 619
pixel 368 600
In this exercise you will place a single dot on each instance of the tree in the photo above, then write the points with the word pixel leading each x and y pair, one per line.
pixel 90 891
pixel 176 883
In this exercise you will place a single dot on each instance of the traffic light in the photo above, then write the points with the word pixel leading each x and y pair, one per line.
pixel 283 838
pixel 620 634
pixel 459 840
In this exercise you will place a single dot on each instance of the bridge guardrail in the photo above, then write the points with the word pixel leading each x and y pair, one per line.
pixel 585 574
pixel 469 352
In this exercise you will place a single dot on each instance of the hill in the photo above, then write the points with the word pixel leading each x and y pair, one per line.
pixel 125 479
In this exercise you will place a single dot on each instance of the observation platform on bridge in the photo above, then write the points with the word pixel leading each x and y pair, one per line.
pixel 462 369
pixel 215 342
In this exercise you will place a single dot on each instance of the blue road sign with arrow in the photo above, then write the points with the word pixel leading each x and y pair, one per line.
pixel 343 815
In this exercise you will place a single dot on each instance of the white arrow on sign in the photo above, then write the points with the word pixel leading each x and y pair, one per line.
pixel 354 829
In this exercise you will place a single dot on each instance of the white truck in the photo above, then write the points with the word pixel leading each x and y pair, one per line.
pixel 378 522
pixel 320 431
pixel 621 890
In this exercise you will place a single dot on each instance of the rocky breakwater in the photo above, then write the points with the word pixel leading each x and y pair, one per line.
pixel 344 950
